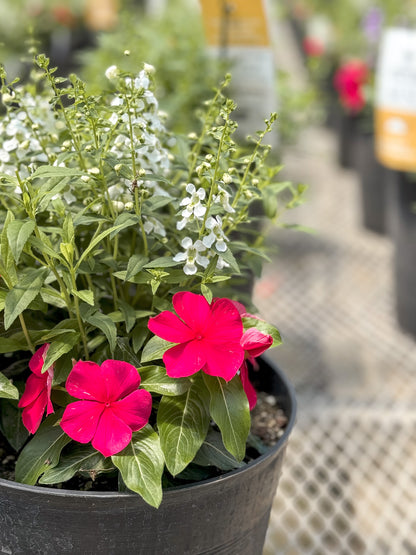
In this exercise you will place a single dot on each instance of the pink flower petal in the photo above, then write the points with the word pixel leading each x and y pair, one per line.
pixel 169 327
pixel 134 410
pixel 224 322
pixel 37 360
pixel 184 359
pixel 192 308
pixel 223 360
pixel 80 420
pixel 112 434
pixel 255 342
pixel 120 378
pixel 35 385
pixel 248 386
pixel 85 382
pixel 32 414
pixel 49 379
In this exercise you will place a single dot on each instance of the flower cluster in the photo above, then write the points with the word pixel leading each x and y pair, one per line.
pixel 349 81
pixel 106 219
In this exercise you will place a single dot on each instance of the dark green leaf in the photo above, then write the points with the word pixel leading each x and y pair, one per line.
pixel 155 380
pixel 183 425
pixel 104 323
pixel 22 294
pixel 129 315
pixel 42 452
pixel 135 264
pixel 18 232
pixel 230 411
pixel 11 424
pixel 59 346
pixel 162 262
pixel 81 459
pixel 155 348
pixel 7 389
pixel 213 453
pixel 141 465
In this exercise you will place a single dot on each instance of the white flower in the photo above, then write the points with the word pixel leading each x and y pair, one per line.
pixel 11 144
pixel 153 225
pixel 148 68
pixel 223 197
pixel 217 235
pixel 142 81
pixel 193 203
pixel 191 255
pixel 111 72
pixel 113 119
pixel 117 101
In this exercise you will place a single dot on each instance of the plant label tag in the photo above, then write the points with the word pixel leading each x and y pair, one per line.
pixel 238 31
pixel 395 101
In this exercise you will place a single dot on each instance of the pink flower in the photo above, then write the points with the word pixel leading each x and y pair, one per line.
pixel 349 81
pixel 254 343
pixel 208 336
pixel 111 406
pixel 313 47
pixel 37 395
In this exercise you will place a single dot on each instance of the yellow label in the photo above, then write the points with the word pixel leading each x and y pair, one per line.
pixel 235 23
pixel 395 143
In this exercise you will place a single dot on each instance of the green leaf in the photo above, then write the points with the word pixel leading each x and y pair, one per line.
pixel 135 264
pixel 3 294
pixel 141 465
pixel 53 297
pixel 11 424
pixel 155 348
pixel 155 380
pixel 139 335
pixel 264 327
pixel 162 262
pixel 18 233
pixel 63 344
pixel 17 342
pixel 104 323
pixel 228 257
pixel 43 246
pixel 22 294
pixel 230 411
pixel 56 171
pixel 7 389
pixel 123 221
pixel 206 291
pixel 129 315
pixel 85 295
pixel 42 452
pixel 96 241
pixel 6 253
pixel 81 459
pixel 183 423
pixel 213 453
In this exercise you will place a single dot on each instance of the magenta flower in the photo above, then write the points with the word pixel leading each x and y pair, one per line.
pixel 37 395
pixel 208 336
pixel 254 343
pixel 111 406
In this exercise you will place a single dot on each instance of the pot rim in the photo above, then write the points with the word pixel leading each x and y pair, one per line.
pixel 262 459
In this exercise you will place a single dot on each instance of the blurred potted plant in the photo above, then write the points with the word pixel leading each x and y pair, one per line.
pixel 120 323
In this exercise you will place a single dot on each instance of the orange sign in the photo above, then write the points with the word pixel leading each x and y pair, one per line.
pixel 396 139
pixel 235 23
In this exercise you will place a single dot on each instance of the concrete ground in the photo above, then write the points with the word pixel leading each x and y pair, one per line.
pixel 349 479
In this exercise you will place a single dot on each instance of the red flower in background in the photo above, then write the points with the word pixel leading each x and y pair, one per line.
pixel 313 47
pixel 349 81
pixel 37 395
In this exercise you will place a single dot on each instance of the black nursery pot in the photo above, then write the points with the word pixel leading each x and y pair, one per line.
pixel 224 515
pixel 402 225
pixel 347 130
pixel 373 187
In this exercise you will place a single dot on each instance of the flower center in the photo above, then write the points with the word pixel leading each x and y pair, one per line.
pixel 199 337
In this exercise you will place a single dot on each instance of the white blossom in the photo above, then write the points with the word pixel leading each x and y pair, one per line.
pixel 216 236
pixel 223 197
pixel 111 72
pixel 192 256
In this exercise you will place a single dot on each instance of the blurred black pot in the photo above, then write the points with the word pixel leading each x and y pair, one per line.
pixel 372 178
pixel 402 226
pixel 347 129
pixel 224 515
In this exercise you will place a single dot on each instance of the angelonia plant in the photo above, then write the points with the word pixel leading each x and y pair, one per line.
pixel 124 348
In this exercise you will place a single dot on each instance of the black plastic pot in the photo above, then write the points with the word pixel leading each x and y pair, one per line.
pixel 402 226
pixel 373 188
pixel 225 515
pixel 347 129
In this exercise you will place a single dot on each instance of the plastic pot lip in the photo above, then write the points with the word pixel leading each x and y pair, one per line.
pixel 279 445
